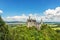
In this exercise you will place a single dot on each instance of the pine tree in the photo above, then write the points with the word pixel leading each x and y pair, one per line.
pixel 3 30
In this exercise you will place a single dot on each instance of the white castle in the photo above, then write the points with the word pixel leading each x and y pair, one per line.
pixel 33 22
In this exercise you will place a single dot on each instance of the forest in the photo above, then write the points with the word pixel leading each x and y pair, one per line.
pixel 21 32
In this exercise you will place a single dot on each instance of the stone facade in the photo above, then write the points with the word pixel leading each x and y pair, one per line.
pixel 33 22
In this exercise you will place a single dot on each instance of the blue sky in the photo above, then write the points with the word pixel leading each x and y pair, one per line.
pixel 19 7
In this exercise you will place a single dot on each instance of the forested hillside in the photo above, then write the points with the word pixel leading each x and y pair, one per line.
pixel 24 33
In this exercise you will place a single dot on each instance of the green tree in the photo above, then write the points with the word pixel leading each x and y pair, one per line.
pixel 3 30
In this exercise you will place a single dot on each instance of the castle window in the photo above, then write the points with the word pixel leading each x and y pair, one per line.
pixel 29 20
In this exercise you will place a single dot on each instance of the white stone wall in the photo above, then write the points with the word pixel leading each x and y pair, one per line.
pixel 30 24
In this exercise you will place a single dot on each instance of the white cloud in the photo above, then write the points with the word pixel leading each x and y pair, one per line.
pixel 17 18
pixel 53 14
pixel 50 15
pixel 1 11
pixel 23 17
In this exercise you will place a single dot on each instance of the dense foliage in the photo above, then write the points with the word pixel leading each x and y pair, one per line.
pixel 3 30
pixel 24 33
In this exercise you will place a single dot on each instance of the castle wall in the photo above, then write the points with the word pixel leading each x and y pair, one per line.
pixel 30 24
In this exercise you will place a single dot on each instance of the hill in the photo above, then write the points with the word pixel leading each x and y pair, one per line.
pixel 24 33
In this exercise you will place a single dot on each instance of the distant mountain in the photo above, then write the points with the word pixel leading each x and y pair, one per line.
pixel 52 22
pixel 14 22
pixel 25 22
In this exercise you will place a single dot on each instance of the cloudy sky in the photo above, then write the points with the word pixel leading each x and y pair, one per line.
pixel 20 10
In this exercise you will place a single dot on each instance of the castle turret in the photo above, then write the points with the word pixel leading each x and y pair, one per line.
pixel 41 21
pixel 29 17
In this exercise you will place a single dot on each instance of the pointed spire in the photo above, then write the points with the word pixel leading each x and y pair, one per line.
pixel 41 21
pixel 29 17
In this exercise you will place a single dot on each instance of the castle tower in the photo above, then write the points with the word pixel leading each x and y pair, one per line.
pixel 41 21
pixel 29 17
pixel 31 22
